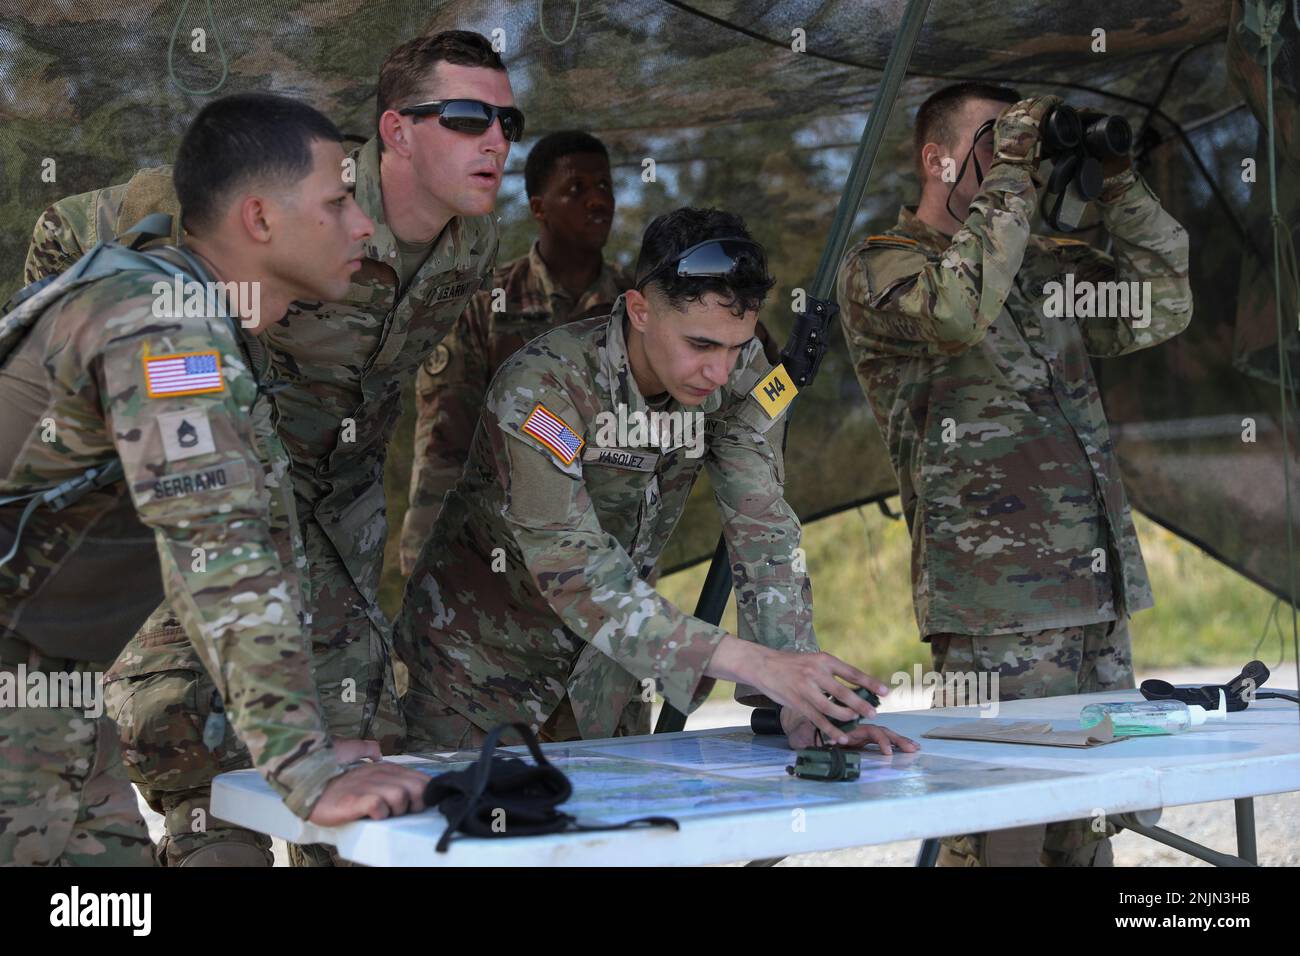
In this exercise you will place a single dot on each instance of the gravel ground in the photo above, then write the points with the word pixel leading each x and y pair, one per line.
pixel 1277 835
pixel 1277 817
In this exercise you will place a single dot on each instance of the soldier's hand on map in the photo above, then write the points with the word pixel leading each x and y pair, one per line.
pixel 351 749
pixel 377 791
pixel 800 733
pixel 882 737
pixel 798 681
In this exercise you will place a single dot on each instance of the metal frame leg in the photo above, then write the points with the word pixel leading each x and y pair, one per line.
pixel 1143 822
pixel 1245 807
pixel 1247 855
pixel 928 854
pixel 1245 830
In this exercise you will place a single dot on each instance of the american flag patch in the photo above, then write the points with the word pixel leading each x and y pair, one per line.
pixel 191 373
pixel 553 433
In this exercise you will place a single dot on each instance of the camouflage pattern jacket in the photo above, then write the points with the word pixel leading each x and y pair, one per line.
pixel 450 385
pixel 978 372
pixel 533 583
pixel 102 375
pixel 156 649
pixel 337 367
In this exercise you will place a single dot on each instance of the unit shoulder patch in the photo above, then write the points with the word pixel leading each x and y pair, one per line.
pixel 893 242
pixel 438 360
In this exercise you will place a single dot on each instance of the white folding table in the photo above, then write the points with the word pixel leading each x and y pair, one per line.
pixel 730 792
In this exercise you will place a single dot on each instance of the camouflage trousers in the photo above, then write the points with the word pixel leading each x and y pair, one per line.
pixel 1066 660
pixel 162 698
pixel 64 798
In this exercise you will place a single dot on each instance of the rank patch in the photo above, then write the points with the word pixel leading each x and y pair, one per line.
pixel 186 435
pixel 189 373
pixel 553 432
pixel 774 392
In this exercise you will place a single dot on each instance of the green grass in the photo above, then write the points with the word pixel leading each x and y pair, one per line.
pixel 1205 613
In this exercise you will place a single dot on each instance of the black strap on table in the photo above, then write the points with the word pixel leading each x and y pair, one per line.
pixel 528 795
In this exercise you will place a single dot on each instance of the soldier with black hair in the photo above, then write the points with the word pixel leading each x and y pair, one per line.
pixel 530 601
pixel 106 372
pixel 445 119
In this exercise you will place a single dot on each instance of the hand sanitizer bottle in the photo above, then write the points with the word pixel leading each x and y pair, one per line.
pixel 1148 718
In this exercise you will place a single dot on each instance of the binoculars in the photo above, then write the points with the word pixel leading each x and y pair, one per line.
pixel 1076 147
pixel 1103 137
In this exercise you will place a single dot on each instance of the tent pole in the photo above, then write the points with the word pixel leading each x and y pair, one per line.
pixel 717 585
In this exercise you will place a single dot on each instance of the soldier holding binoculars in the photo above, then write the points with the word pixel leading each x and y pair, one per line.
pixel 1025 561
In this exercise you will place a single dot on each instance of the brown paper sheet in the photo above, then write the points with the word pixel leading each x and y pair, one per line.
pixel 1026 732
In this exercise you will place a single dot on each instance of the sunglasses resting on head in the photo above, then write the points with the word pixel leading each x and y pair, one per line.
pixel 711 258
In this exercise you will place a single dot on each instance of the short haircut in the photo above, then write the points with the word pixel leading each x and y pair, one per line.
pixel 938 114
pixel 550 149
pixel 672 233
pixel 408 67
pixel 240 139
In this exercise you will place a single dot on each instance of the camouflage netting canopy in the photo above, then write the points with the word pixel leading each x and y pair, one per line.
pixel 732 116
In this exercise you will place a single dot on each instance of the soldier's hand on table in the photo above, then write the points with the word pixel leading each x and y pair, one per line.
pixel 377 791
pixel 799 730
pixel 799 681
pixel 351 749
pixel 800 733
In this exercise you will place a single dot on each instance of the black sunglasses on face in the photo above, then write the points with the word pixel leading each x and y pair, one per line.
pixel 471 116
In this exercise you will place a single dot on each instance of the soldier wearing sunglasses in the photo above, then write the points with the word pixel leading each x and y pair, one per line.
pixel 530 601
pixel 334 372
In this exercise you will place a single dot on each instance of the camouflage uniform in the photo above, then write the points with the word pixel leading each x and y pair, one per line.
pixel 1084 659
pixel 79 393
pixel 450 385
pixel 1024 555
pixel 162 701
pixel 336 371
pixel 166 754
pixel 529 601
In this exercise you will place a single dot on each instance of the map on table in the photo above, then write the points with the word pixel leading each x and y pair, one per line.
pixel 610 789
pixel 695 775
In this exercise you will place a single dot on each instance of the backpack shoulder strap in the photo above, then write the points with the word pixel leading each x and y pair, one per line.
pixel 154 226
pixel 105 259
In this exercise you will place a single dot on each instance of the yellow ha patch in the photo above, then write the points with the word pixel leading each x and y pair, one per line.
pixel 775 391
